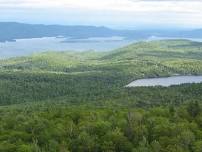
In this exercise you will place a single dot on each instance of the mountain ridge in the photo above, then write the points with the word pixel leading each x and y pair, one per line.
pixel 10 31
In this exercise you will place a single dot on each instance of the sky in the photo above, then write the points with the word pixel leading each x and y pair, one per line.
pixel 128 14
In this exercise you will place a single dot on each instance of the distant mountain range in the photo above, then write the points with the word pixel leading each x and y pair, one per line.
pixel 9 31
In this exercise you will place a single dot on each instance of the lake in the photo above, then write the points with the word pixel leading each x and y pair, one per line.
pixel 165 81
pixel 22 47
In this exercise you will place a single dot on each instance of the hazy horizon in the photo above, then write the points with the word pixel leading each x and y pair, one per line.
pixel 116 14
pixel 143 28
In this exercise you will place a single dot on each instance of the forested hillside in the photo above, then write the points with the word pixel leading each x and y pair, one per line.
pixel 78 102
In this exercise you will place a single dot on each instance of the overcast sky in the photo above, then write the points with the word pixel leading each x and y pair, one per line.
pixel 112 13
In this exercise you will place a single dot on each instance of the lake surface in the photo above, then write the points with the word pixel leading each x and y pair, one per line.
pixel 165 82
pixel 22 47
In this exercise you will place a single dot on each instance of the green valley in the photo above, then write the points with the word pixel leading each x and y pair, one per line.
pixel 78 102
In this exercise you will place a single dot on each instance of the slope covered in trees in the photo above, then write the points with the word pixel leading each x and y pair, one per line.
pixel 77 101
pixel 96 75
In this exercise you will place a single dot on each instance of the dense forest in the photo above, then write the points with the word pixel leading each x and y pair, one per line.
pixel 78 102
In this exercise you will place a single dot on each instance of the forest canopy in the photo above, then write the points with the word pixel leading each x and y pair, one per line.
pixel 78 102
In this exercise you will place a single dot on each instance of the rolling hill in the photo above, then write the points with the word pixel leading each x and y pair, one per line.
pixel 52 75
pixel 78 102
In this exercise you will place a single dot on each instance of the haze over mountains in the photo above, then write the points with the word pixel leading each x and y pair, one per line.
pixel 100 76
pixel 13 30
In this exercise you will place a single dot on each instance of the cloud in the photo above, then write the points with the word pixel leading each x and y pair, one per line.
pixel 134 6
pixel 180 12
pixel 118 5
